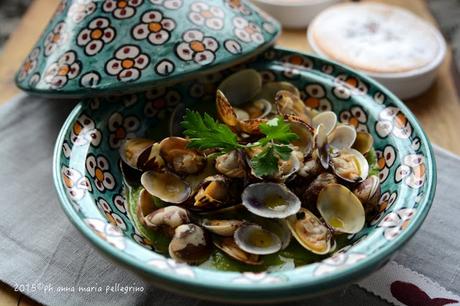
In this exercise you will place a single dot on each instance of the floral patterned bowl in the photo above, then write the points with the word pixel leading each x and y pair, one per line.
pixel 89 182
pixel 94 47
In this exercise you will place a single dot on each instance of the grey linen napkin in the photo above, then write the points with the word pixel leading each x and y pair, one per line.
pixel 40 251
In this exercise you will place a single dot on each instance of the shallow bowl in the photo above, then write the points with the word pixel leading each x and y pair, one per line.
pixel 89 182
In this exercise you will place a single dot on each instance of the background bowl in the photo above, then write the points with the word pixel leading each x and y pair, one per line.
pixel 294 13
pixel 89 182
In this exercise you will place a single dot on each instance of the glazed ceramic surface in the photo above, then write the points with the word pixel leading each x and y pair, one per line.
pixel 94 47
pixel 89 182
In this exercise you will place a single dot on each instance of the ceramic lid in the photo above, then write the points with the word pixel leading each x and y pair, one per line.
pixel 114 46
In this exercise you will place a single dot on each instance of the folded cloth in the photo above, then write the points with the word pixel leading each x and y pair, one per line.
pixel 44 256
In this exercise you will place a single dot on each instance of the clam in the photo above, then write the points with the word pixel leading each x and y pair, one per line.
pixel 231 164
pixel 342 137
pixel 288 103
pixel 166 186
pixel 195 180
pixel 145 206
pixel 254 239
pixel 363 142
pixel 180 158
pixel 229 247
pixel 260 108
pixel 310 168
pixel 328 119
pixel 241 86
pixel 322 146
pixel 368 192
pixel 190 245
pixel 310 232
pixel 278 227
pixel 310 195
pixel 167 219
pixel 215 191
pixel 270 200
pixel 224 228
pixel 269 90
pixel 350 165
pixel 304 143
pixel 286 168
pixel 341 209
pixel 226 113
pixel 136 152
pixel 131 176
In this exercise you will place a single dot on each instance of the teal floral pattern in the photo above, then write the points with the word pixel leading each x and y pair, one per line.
pixel 165 39
pixel 90 185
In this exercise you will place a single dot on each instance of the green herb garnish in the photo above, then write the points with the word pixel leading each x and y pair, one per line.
pixel 206 133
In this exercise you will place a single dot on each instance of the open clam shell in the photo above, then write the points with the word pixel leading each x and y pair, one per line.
pixel 269 90
pixel 310 232
pixel 341 209
pixel 180 158
pixel 363 142
pixel 270 200
pixel 134 152
pixel 229 247
pixel 224 228
pixel 166 186
pixel 288 103
pixel 254 239
pixel 305 133
pixel 242 86
pixel 350 165
pixel 328 119
pixel 368 192
pixel 342 137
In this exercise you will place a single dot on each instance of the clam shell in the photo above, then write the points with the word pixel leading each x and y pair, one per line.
pixel 241 86
pixel 254 239
pixel 342 137
pixel 179 157
pixel 229 247
pixel 224 228
pixel 341 209
pixel 310 232
pixel 166 186
pixel 363 142
pixel 288 103
pixel 350 165
pixel 270 200
pixel 328 119
pixel 190 245
pixel 134 152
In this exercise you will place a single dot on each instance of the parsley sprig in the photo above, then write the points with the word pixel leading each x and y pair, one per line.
pixel 206 133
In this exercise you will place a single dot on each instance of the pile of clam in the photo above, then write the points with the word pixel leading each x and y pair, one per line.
pixel 198 200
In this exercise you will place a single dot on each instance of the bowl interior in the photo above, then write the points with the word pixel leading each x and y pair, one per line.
pixel 89 181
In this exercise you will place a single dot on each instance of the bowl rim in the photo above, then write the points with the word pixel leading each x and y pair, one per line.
pixel 419 71
pixel 251 292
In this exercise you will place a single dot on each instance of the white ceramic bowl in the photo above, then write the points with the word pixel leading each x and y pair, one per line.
pixel 294 13
pixel 407 84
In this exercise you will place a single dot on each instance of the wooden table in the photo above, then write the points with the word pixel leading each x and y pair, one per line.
pixel 438 110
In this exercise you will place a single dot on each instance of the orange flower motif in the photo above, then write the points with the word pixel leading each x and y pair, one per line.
pixel 55 38
pixel 155 27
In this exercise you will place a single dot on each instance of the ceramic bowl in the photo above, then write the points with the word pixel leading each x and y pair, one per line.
pixel 294 14
pixel 115 46
pixel 89 183
pixel 405 84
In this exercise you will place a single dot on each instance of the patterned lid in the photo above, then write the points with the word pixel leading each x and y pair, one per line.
pixel 93 47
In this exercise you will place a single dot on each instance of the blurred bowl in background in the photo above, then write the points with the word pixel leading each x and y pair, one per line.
pixel 294 13
pixel 390 44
